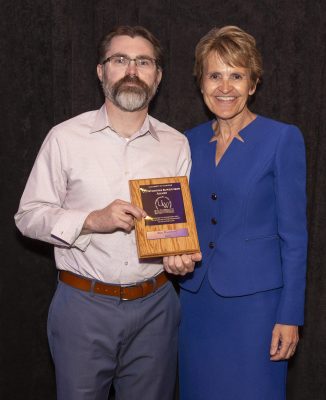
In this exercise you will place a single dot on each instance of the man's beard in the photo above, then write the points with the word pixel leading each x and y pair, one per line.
pixel 129 98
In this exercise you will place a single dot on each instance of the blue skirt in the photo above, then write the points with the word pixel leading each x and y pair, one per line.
pixel 224 347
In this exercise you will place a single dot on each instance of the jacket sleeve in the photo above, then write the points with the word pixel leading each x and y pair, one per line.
pixel 290 189
pixel 41 214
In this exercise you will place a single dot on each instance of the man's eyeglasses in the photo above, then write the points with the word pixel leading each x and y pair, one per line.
pixel 144 63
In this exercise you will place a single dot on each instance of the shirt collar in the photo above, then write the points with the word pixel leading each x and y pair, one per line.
pixel 102 122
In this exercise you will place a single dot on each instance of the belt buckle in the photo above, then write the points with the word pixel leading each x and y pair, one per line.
pixel 152 281
pixel 122 287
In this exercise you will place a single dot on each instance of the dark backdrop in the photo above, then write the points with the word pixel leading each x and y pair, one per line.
pixel 48 59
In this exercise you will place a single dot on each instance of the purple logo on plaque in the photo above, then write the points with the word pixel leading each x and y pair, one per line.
pixel 163 203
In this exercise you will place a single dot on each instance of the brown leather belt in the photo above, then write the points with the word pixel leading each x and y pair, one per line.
pixel 127 292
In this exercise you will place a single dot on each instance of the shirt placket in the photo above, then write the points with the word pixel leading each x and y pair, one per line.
pixel 127 176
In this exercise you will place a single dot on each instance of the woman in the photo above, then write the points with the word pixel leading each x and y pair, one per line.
pixel 242 305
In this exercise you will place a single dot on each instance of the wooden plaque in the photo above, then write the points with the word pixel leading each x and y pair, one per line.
pixel 169 228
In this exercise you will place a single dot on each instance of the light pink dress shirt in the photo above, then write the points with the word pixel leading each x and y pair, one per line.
pixel 82 166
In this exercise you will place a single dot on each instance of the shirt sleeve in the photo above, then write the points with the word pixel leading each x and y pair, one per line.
pixel 184 162
pixel 41 214
pixel 290 187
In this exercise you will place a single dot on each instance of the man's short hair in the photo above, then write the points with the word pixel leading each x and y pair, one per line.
pixel 132 31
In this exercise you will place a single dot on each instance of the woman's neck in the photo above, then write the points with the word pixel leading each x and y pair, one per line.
pixel 227 129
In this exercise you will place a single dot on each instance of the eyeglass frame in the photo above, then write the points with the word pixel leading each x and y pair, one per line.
pixel 136 59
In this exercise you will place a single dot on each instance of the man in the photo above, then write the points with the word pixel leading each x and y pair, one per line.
pixel 113 318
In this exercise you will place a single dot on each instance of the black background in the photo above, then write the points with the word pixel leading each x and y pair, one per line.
pixel 48 74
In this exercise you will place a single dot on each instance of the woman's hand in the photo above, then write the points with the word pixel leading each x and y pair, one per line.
pixel 284 342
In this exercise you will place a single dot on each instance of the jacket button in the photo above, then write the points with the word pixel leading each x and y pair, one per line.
pixel 214 221
pixel 211 245
pixel 213 196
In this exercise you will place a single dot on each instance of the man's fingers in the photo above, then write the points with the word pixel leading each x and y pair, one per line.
pixel 168 265
pixel 131 209
pixel 186 259
pixel 172 264
pixel 196 257
pixel 175 264
pixel 178 265
pixel 188 262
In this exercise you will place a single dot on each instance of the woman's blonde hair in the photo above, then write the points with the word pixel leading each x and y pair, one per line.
pixel 234 46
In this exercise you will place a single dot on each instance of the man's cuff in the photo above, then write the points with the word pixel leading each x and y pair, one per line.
pixel 68 229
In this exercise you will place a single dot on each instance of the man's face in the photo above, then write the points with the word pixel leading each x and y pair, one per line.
pixel 129 87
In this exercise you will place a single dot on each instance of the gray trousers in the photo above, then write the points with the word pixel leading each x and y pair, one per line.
pixel 98 340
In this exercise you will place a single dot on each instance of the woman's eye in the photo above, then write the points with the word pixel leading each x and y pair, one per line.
pixel 236 77
pixel 214 77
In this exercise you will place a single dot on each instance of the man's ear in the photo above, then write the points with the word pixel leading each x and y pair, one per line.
pixel 99 70
pixel 159 76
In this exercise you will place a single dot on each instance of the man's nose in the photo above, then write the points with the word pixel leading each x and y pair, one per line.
pixel 132 68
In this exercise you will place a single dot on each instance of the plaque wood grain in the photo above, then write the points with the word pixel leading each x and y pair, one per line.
pixel 168 246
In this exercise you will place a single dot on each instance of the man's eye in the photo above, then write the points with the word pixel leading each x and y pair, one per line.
pixel 143 62
pixel 119 60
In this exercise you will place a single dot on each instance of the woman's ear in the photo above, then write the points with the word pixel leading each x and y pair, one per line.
pixel 253 88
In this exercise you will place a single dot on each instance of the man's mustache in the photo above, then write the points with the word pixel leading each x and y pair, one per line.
pixel 131 79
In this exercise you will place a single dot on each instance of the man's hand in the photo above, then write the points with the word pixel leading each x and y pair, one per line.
pixel 118 215
pixel 284 342
pixel 181 265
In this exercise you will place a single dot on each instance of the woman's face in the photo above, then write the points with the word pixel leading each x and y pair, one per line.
pixel 226 89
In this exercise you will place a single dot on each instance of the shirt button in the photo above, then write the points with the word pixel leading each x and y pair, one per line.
pixel 213 196
pixel 126 262
pixel 211 245
pixel 214 221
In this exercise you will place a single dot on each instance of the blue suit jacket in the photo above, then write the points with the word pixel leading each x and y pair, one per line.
pixel 251 214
